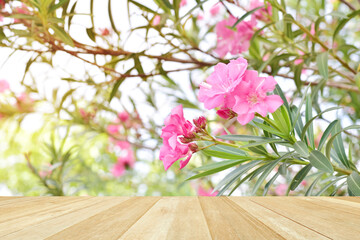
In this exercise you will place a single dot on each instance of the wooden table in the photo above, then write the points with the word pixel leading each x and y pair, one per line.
pixel 192 218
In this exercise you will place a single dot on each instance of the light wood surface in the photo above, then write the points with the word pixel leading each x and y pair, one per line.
pixel 192 218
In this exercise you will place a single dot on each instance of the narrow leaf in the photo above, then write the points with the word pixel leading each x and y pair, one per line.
pixel 318 160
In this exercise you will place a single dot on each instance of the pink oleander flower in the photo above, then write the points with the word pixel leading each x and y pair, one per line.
pixel 215 9
pixel 202 192
pixel 251 97
pixel 113 129
pixel 123 162
pixel 118 169
pixel 156 20
pixel 4 85
pixel 175 127
pixel 183 3
pixel 260 14
pixel 123 116
pixel 281 189
pixel 200 16
pixel 236 40
pixel 226 113
pixel 220 85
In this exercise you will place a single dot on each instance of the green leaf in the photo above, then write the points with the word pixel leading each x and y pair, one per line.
pixel 253 144
pixel 268 169
pixel 212 171
pixel 299 177
pixel 318 160
pixel 235 174
pixel 228 149
pixel 142 7
pixel 245 15
pixel 301 148
pixel 217 165
pixel 221 154
pixel 343 22
pixel 58 5
pixel 311 187
pixel 199 4
pixel 90 33
pixel 117 85
pixel 271 181
pixel 111 18
pixel 59 32
pixel 322 63
pixel 312 119
pixel 308 116
pixel 326 134
pixel 243 138
pixel 297 114
pixel 353 181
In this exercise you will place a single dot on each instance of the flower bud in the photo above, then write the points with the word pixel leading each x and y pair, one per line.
pixel 200 122
pixel 185 140
pixel 193 147
pixel 226 113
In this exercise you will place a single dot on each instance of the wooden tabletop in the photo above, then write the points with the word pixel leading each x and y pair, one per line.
pixel 192 218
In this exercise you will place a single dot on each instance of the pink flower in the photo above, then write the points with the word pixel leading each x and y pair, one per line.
pixel 104 32
pixel 215 9
pixel 4 85
pixel 172 150
pixel 123 116
pixel 312 30
pixel 200 122
pixel 200 16
pixel 202 192
pixel 156 20
pixel 261 13
pixel 251 97
pixel 21 10
pixel 83 113
pixel 220 85
pixel 183 3
pixel 123 144
pixel 113 129
pixel 123 162
pixel 281 189
pixel 233 40
pixel 118 169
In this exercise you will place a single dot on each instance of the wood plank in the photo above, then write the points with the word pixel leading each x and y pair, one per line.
pixel 111 223
pixel 25 208
pixel 60 208
pixel 52 226
pixel 346 206
pixel 175 218
pixel 227 220
pixel 351 199
pixel 332 223
pixel 282 225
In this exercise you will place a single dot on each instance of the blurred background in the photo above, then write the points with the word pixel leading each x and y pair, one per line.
pixel 85 88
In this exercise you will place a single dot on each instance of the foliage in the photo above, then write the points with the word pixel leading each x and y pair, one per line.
pixel 95 69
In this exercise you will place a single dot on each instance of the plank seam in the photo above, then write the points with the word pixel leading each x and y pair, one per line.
pixel 202 211
pixel 237 207
pixel 290 219
pixel 140 217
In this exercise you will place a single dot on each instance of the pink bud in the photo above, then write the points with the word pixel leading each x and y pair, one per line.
pixel 193 147
pixel 156 20
pixel 183 3
pixel 226 113
pixel 123 116
pixel 200 122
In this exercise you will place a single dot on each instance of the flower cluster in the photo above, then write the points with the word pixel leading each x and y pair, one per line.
pixel 178 135
pixel 239 92
pixel 235 40
pixel 126 157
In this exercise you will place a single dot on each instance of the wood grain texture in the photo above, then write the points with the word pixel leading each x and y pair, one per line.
pixel 179 218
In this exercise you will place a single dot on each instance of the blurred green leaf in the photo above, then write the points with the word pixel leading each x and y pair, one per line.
pixel 353 181
pixel 318 160
pixel 322 63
